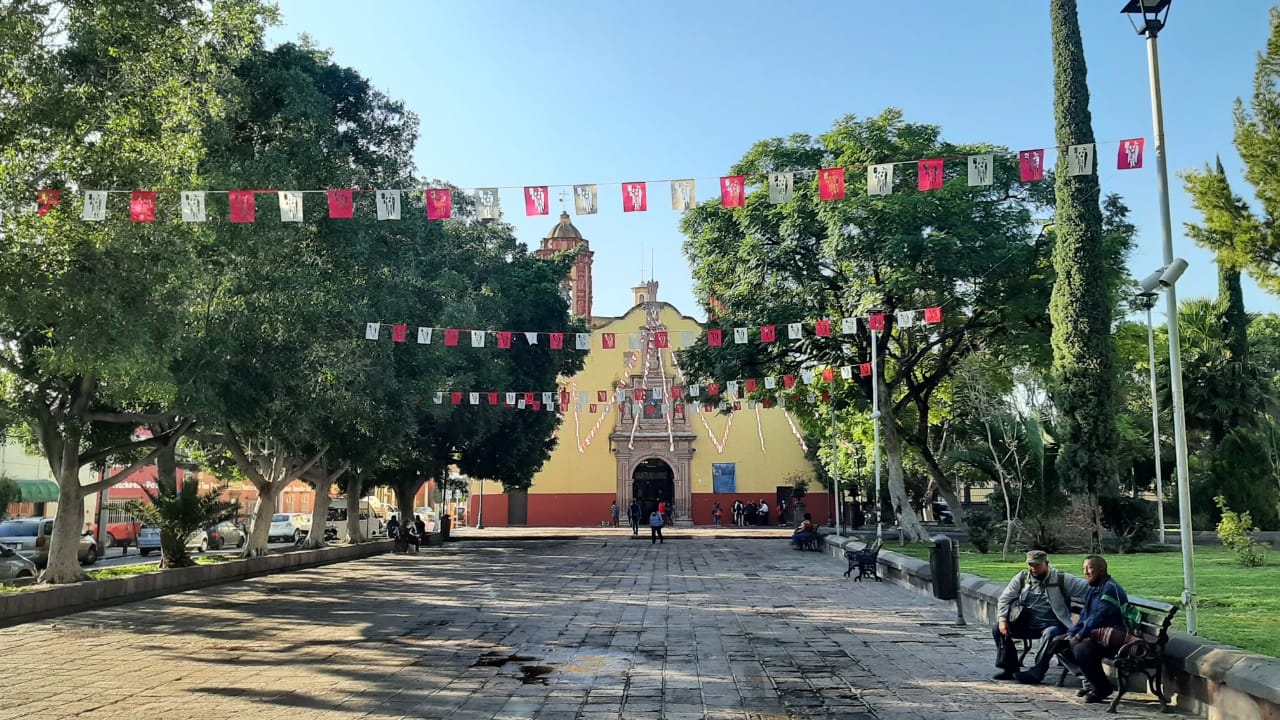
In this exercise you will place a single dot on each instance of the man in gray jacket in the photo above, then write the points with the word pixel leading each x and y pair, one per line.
pixel 1035 604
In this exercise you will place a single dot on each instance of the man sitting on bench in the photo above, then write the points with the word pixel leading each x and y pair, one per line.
pixel 805 535
pixel 1035 604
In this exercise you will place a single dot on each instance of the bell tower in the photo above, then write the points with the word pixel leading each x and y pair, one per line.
pixel 564 236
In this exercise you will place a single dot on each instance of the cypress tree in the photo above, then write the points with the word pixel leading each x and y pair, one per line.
pixel 1083 364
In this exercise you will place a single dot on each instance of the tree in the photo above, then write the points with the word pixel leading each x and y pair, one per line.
pixel 103 94
pixel 974 250
pixel 179 513
pixel 1081 305
pixel 10 493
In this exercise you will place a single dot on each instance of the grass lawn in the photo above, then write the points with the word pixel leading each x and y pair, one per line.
pixel 119 571
pixel 1238 605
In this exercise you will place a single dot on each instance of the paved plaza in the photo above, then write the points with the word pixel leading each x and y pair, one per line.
pixel 594 626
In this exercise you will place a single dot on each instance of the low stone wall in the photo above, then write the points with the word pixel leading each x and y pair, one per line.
pixel 54 600
pixel 1216 681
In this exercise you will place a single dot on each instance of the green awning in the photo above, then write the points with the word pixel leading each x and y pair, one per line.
pixel 37 491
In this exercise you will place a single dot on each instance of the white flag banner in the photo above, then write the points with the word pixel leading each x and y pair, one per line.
pixel 439 398
pixel 981 169
pixel 684 195
pixel 740 336
pixel 608 409
pixel 1080 159
pixel 546 398
pixel 846 372
pixel 880 179
pixel 477 338
pixel 290 205
pixel 511 398
pixel 371 330
pixel 906 318
pixel 806 376
pixel 770 382
pixel 657 393
pixel 694 390
pixel 474 398
pixel 633 341
pixel 583 397
pixel 781 187
pixel 95 205
pixel 687 338
pixel 193 207
pixel 732 387
pixel 531 338
pixel 487 205
pixel 424 336
pixel 586 199
pixel 582 341
pixel 520 403
pixel 388 204
pixel 751 404
pixel 794 331
pixel 848 326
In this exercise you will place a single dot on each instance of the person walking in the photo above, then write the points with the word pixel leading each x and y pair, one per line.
pixel 655 527
pixel 715 515
pixel 633 514
pixel 613 513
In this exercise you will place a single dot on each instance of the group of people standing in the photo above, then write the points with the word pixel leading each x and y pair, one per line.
pixel 404 535
pixel 754 513
pixel 657 519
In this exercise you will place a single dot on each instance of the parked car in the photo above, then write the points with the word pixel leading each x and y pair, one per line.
pixel 224 534
pixel 289 527
pixel 429 518
pixel 31 537
pixel 371 524
pixel 15 567
pixel 118 533
pixel 149 540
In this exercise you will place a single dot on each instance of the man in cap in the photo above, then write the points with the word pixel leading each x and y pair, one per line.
pixel 1035 604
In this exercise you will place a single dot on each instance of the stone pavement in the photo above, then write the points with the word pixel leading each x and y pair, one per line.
pixel 592 626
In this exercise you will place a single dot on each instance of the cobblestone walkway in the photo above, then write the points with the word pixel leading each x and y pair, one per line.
pixel 594 627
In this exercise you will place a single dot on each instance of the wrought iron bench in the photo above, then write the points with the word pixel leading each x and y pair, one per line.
pixel 865 561
pixel 1142 653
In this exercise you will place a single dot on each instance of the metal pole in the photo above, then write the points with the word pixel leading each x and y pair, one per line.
pixel 835 466
pixel 1155 420
pixel 480 508
pixel 1175 345
pixel 875 425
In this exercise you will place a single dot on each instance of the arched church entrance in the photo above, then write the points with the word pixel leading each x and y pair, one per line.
pixel 652 481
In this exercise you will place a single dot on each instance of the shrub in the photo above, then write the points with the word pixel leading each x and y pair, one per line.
pixel 1233 531
pixel 1133 521
pixel 982 529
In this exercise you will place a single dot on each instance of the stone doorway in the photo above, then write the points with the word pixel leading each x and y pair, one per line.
pixel 652 481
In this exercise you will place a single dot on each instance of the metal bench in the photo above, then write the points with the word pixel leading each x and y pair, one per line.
pixel 1143 653
pixel 865 561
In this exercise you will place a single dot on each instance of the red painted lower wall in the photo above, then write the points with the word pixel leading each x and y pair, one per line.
pixel 592 509
pixel 817 504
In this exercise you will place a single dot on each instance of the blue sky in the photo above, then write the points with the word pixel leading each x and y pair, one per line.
pixel 561 92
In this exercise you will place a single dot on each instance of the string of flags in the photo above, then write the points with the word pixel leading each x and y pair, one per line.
pixel 388 204
pixel 662 339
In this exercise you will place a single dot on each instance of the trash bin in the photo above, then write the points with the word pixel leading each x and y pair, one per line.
pixel 944 565
pixel 445 523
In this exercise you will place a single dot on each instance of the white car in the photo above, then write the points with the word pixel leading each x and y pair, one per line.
pixel 429 518
pixel 289 527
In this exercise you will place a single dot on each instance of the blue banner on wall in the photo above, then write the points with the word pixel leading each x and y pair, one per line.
pixel 724 478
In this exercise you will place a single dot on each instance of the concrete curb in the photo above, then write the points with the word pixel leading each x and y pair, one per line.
pixel 51 601
pixel 1208 678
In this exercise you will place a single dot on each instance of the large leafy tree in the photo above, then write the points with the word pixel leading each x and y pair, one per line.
pixel 974 250
pixel 1081 307
pixel 101 95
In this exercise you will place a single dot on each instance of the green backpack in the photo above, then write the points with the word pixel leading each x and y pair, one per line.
pixel 1131 613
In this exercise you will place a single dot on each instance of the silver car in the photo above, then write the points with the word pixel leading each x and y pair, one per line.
pixel 31 538
pixel 15 567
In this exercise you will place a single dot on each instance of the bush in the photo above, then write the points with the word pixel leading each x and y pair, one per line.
pixel 982 528
pixel 1132 520
pixel 1233 531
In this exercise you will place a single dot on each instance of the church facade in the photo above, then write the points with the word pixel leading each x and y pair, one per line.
pixel 642 440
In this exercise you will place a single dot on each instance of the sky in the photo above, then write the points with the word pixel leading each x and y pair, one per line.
pixel 560 92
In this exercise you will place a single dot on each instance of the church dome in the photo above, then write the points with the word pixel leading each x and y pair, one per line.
pixel 564 229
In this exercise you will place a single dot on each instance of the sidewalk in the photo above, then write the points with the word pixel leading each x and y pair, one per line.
pixel 598 626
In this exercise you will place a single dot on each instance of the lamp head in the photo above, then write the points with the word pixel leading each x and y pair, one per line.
pixel 1151 284
pixel 1173 272
pixel 1154 14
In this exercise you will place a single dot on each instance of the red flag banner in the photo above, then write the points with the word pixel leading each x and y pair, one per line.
pixel 142 206
pixel 451 337
pixel 528 398
pixel 635 197
pixel 341 206
pixel 398 332
pixel 564 398
pixel 768 333
pixel 46 199
pixel 455 398
pixel 865 369
pixel 788 380
pixel 242 208
pixel 602 396
pixel 713 389
pixel 733 190
pixel 557 341
pixel 876 321
pixel 591 409
pixel 715 338
pixel 493 398
pixel 933 315
pixel 822 328
pixel 637 394
pixel 1031 164
pixel 768 403
pixel 608 341
pixel 676 392
pixel 1129 157
pixel 831 183
pixel 930 172
pixel 826 397
pixel 536 405
pixel 536 200
pixel 751 384
pixel 828 375
pixel 660 338
pixel 439 203
pixel 504 339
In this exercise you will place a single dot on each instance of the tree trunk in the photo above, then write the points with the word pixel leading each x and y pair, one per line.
pixel 354 530
pixel 319 515
pixel 405 493
pixel 943 483
pixel 908 522
pixel 257 544
pixel 64 546
pixel 173 549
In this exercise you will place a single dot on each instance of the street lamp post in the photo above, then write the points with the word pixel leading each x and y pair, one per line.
pixel 1148 300
pixel 875 426
pixel 1154 13
pixel 835 465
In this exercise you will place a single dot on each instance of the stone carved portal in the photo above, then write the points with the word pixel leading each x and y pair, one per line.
pixel 650 451
pixel 652 481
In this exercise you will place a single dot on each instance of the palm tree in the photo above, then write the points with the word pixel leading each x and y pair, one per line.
pixel 178 514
